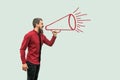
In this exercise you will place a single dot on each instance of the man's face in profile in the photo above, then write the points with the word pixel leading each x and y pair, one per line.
pixel 41 24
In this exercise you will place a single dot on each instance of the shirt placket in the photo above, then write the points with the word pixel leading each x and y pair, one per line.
pixel 39 36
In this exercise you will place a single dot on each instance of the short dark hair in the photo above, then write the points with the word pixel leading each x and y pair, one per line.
pixel 36 21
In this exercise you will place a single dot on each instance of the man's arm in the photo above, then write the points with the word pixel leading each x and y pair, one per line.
pixel 50 42
pixel 23 47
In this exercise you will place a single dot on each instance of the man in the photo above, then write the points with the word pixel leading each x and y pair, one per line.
pixel 34 40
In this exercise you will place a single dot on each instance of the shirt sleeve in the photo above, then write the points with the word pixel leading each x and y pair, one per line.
pixel 23 47
pixel 49 42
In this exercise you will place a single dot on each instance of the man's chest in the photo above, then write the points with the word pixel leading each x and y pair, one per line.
pixel 36 39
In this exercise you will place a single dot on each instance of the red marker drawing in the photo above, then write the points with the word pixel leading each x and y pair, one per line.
pixel 74 22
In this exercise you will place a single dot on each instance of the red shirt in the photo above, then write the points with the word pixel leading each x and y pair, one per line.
pixel 31 40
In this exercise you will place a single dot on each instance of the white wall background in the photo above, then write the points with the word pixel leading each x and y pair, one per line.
pixel 92 55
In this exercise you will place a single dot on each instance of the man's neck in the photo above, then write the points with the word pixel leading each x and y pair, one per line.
pixel 36 29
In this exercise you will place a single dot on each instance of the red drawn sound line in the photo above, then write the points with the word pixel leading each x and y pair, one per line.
pixel 76 10
pixel 79 30
pixel 78 18
pixel 81 15
pixel 80 25
pixel 84 20
pixel 77 13
pixel 80 22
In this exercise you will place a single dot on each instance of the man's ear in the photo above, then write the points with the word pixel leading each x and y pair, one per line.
pixel 36 24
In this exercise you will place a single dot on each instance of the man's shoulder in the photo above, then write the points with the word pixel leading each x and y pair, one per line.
pixel 30 33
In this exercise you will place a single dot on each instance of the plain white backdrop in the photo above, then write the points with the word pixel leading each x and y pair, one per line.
pixel 91 55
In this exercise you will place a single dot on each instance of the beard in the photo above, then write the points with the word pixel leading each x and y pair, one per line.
pixel 40 31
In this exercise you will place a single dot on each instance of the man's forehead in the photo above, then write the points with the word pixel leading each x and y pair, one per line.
pixel 41 21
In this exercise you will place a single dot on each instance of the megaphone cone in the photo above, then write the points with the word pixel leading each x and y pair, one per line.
pixel 66 20
pixel 71 22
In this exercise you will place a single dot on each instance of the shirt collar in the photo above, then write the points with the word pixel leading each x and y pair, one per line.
pixel 35 31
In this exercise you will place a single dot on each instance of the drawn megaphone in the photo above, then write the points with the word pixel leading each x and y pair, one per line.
pixel 70 22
